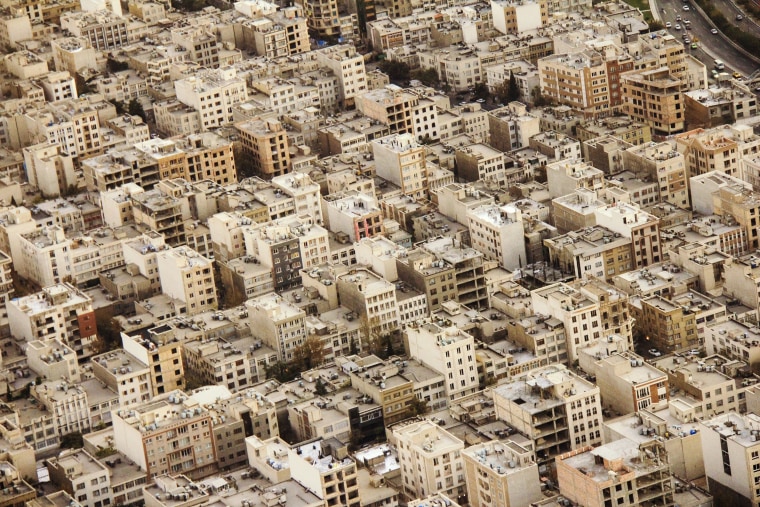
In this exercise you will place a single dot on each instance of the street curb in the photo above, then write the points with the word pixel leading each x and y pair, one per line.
pixel 746 53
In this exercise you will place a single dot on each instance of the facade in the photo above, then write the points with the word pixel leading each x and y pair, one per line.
pixel 430 458
pixel 554 408
pixel 622 472
pixel 493 231
pixel 501 473
pixel 654 97
pixel 401 161
pixel 187 276
pixel 266 142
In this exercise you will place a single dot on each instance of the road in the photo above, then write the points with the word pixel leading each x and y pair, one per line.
pixel 730 9
pixel 716 46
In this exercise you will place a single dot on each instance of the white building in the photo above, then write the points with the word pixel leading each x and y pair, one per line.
pixel 430 458
pixel 212 93
pixel 449 351
pixel 497 232
pixel 187 276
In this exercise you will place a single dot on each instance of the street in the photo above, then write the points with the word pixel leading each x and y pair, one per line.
pixel 715 45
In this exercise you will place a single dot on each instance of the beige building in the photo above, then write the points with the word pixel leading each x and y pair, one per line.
pixel 157 349
pixel 654 97
pixel 212 93
pixel 266 142
pixel 430 458
pixel 591 252
pixel 555 408
pixel 58 312
pixel 718 149
pixel 665 165
pixel 400 160
pixel 516 17
pixel 731 449
pixel 278 322
pixel 187 276
pixel 618 473
pixel 493 231
pixel 501 473
pixel 641 227
pixel 104 29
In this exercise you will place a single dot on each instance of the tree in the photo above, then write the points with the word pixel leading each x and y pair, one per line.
pixel 372 340
pixel 72 441
pixel 481 91
pixel 310 354
pixel 320 388
pixel 397 71
pixel 538 98
pixel 135 108
pixel 513 90
pixel 418 407
pixel 116 65
pixel 428 77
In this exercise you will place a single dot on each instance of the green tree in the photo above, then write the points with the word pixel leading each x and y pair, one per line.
pixel 310 354
pixel 481 91
pixel 513 90
pixel 320 388
pixel 397 71
pixel 135 108
pixel 418 407
pixel 428 77
pixel 72 441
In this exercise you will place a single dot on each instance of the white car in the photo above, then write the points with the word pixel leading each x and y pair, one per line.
pixel 714 31
pixel 668 24
pixel 654 352
pixel 686 7
pixel 678 27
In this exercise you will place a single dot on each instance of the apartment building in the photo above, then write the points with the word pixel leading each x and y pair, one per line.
pixel 511 127
pixel 478 161
pixel 626 383
pixel 50 168
pixel 126 375
pixel 717 149
pixel 167 434
pixel 591 252
pixel 103 29
pixel 160 213
pixel 641 227
pixel 517 17
pixel 623 472
pixel 654 97
pixel 447 350
pixel 159 349
pixel 267 144
pixel 430 458
pixel 187 276
pixel 579 80
pixel 668 326
pixel 199 44
pixel 566 176
pixel 734 340
pixel 493 230
pixel 576 210
pixel 371 297
pixel 212 93
pixel 305 193
pixel 555 408
pixel 579 313
pixel 707 108
pixel 739 206
pixel 86 479
pixel 58 312
pixel 501 473
pixel 73 54
pixel 233 362
pixel 731 449
pixel 348 66
pixel 278 247
pixel 278 322
pixel 357 215
pixel 327 471
pixel 661 163
pixel 392 106
pixel 400 160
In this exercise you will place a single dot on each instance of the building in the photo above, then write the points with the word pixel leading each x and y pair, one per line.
pixel 554 408
pixel 103 29
pixel 212 93
pixel 447 350
pixel 267 144
pixel 667 325
pixel 326 470
pixel 400 160
pixel 158 349
pixel 430 458
pixel 169 433
pixel 58 312
pixel 501 473
pixel 372 298
pixel 278 322
pixel 663 164
pixel 627 384
pixel 514 17
pixel 591 252
pixel 654 97
pixel 50 167
pixel 493 230
pixel 187 276
pixel 641 227
pixel 622 472
pixel 731 449
pixel 356 215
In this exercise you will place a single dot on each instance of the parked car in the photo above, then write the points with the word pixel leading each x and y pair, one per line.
pixel 654 352
pixel 668 24
pixel 686 7
pixel 714 31
pixel 739 17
